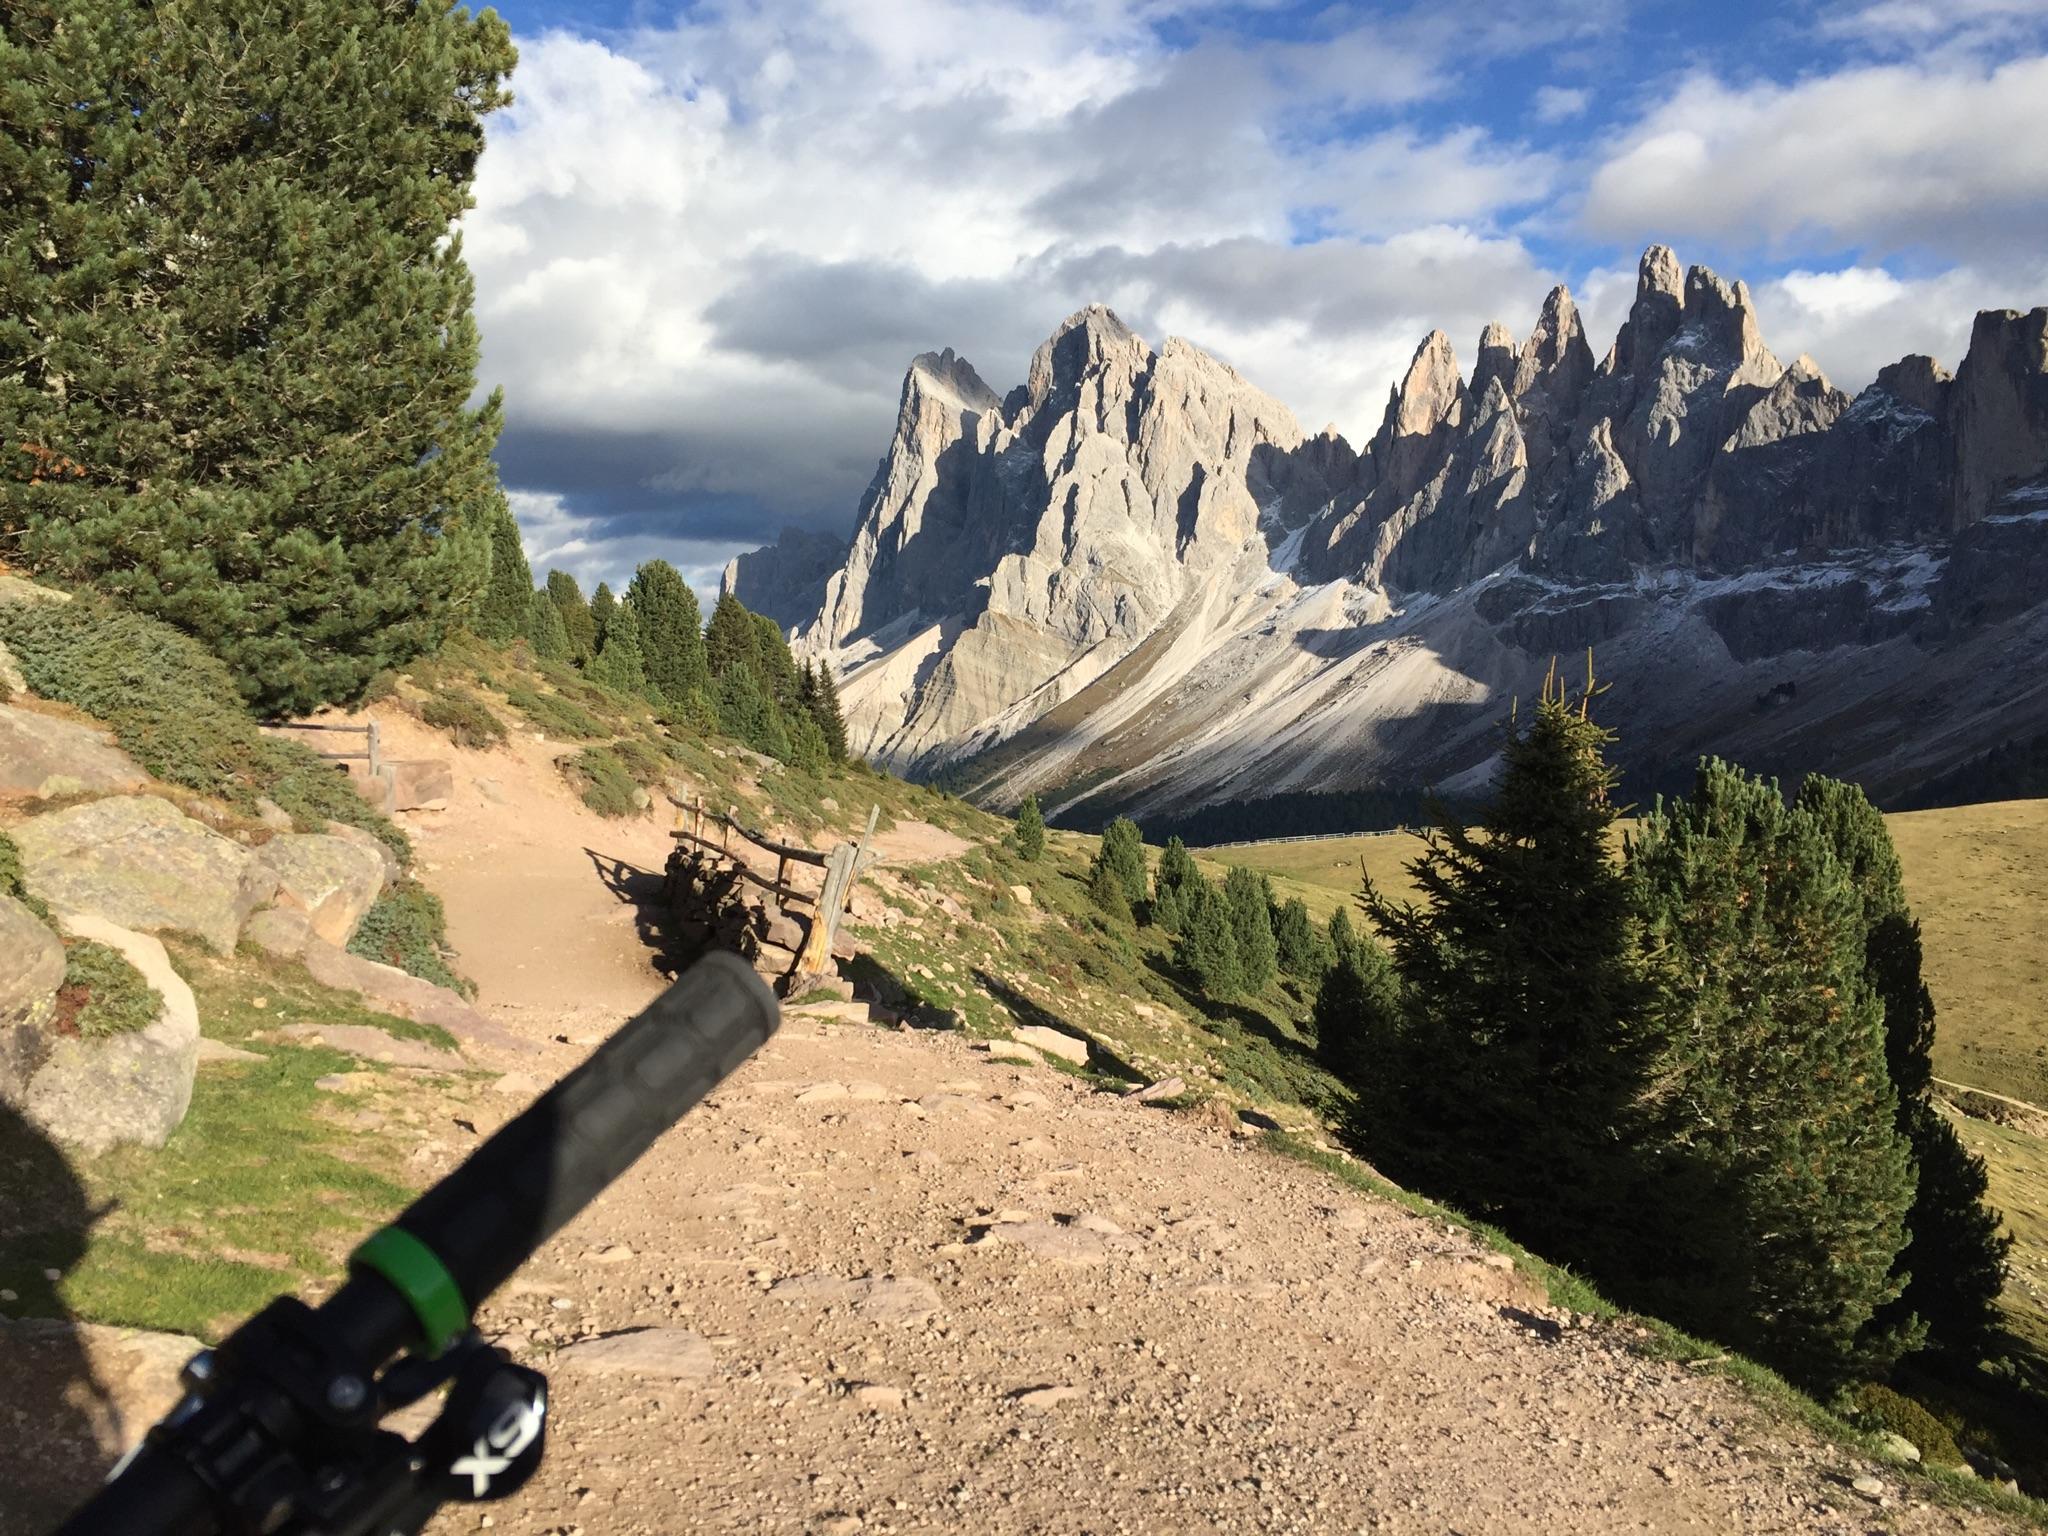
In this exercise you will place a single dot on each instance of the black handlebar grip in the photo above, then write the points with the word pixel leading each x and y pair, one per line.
pixel 524 1184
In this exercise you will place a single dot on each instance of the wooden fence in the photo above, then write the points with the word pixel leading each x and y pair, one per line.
pixel 842 867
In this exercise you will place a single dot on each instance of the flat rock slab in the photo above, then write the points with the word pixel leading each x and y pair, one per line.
pixel 370 1043
pixel 407 996
pixel 676 1354
pixel 142 863
pixel 1073 1246
pixel 1053 1042
pixel 884 1299
pixel 40 754
pixel 31 967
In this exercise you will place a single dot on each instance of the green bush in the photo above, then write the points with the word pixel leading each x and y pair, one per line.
pixel 465 717
pixel 11 883
pixel 1878 1408
pixel 555 714
pixel 406 927
pixel 645 762
pixel 176 710
pixel 607 786
pixel 103 994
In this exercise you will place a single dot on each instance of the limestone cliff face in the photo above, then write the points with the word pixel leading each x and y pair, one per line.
pixel 1138 569
pixel 1020 548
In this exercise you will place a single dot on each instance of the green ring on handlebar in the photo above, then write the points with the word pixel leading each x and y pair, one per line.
pixel 422 1279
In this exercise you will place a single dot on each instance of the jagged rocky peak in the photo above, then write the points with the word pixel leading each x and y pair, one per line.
pixel 1916 380
pixel 953 375
pixel 1997 411
pixel 1556 349
pixel 1084 341
pixel 1655 315
pixel 1497 359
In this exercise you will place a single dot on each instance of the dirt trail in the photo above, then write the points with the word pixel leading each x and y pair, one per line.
pixel 909 1289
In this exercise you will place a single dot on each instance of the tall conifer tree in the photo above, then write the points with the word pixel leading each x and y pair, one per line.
pixel 1782 1184
pixel 1030 830
pixel 731 640
pixel 236 341
pixel 577 622
pixel 545 629
pixel 504 612
pixel 1524 998
pixel 671 630
pixel 1206 947
pixel 1954 1260
pixel 1250 900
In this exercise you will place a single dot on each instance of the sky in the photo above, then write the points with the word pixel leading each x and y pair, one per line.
pixel 708 238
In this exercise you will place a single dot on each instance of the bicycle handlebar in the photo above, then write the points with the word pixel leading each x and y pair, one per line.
pixel 416 1284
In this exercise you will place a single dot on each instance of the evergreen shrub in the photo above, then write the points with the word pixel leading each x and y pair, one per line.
pixel 406 928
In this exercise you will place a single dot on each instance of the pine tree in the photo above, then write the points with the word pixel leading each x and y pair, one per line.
pixel 577 622
pixel 1176 871
pixel 772 655
pixel 1206 949
pixel 748 715
pixel 621 660
pixel 830 720
pixel 730 639
pixel 1524 996
pixel 1343 937
pixel 1783 1184
pixel 1250 900
pixel 603 607
pixel 545 629
pixel 1107 892
pixel 1301 951
pixel 1357 1022
pixel 236 341
pixel 506 603
pixel 806 742
pixel 671 630
pixel 1030 830
pixel 1123 854
pixel 1954 1261
pixel 1167 912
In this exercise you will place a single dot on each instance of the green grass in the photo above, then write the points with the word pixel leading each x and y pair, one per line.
pixel 1977 877
pixel 176 710
pixel 554 714
pixel 261 1190
pixel 103 994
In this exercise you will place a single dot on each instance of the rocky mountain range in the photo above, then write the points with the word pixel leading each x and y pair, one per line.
pixel 1136 583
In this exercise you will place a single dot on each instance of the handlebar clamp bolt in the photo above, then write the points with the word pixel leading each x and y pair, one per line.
pixel 345 1394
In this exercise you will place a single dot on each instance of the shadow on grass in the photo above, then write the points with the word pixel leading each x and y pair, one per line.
pixel 1101 1059
pixel 646 892
pixel 45 1226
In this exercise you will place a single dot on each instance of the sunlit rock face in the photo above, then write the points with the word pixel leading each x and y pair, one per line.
pixel 1135 576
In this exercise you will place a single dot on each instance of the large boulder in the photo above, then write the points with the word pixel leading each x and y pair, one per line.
pixel 31 970
pixel 40 754
pixel 141 862
pixel 370 841
pixel 333 880
pixel 11 680
pixel 128 1089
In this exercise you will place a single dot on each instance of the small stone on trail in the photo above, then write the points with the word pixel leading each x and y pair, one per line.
pixel 1045 1399
pixel 822 1093
pixel 616 1253
pixel 259 1002
pixel 1013 1051
pixel 879 1399
pixel 1898 1447
pixel 840 1525
pixel 1869 1487
pixel 516 1084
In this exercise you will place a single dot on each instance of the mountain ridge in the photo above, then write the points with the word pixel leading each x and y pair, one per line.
pixel 1149 530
